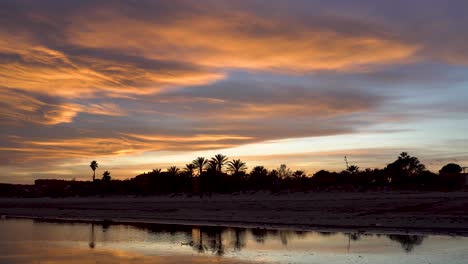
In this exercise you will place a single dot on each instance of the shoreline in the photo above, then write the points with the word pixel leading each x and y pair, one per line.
pixel 303 228
pixel 433 213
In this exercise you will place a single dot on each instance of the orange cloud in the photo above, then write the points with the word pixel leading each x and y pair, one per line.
pixel 39 69
pixel 21 107
pixel 192 138
pixel 125 144
pixel 227 41
pixel 186 51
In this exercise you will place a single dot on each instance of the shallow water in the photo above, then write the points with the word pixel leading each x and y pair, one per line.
pixel 28 241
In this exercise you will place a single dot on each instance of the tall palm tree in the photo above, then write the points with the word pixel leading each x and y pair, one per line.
pixel 94 165
pixel 219 160
pixel 200 163
pixel 236 166
pixel 189 169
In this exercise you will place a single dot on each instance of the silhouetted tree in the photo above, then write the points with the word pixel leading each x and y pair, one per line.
pixel 94 165
pixel 189 169
pixel 259 178
pixel 173 171
pixel 284 172
pixel 236 166
pixel 106 176
pixel 211 166
pixel 200 163
pixel 299 174
pixel 324 178
pixel 404 167
pixel 218 162
pixel 259 170
pixel 450 168
pixel 353 169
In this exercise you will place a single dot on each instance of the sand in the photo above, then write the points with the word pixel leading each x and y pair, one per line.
pixel 422 212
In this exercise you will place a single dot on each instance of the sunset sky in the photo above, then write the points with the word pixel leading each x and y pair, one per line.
pixel 138 85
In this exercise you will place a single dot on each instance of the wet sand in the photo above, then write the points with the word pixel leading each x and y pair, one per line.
pixel 423 212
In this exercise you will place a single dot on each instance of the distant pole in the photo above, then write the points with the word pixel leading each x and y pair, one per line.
pixel 346 161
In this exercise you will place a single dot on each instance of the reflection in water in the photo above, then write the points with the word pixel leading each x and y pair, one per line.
pixel 207 239
pixel 232 245
pixel 92 237
pixel 211 239
pixel 408 242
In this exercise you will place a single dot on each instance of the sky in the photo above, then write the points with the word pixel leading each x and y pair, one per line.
pixel 139 85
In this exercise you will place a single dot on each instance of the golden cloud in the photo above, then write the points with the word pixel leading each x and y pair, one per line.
pixel 190 51
pixel 20 107
pixel 35 68
pixel 228 41
pixel 125 144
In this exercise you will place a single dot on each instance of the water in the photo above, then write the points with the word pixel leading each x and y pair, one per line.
pixel 28 241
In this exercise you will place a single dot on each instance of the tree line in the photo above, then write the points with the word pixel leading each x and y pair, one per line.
pixel 220 175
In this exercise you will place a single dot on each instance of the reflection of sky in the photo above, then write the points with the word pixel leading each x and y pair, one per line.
pixel 23 241
pixel 156 83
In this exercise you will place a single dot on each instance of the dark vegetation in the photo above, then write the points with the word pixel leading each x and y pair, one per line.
pixel 219 175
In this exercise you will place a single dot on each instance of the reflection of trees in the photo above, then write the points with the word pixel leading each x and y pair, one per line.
pixel 259 235
pixel 284 237
pixel 219 244
pixel 354 236
pixel 326 234
pixel 408 242
pixel 92 238
pixel 197 241
pixel 209 239
pixel 239 238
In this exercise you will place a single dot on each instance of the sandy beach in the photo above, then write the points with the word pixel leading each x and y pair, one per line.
pixel 424 212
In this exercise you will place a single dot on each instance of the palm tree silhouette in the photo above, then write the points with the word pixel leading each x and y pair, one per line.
pixel 236 166
pixel 200 163
pixel 106 176
pixel 259 170
pixel 353 169
pixel 212 165
pixel 173 170
pixel 218 161
pixel 94 165
pixel 189 169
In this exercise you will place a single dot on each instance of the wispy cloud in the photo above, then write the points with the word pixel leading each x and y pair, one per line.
pixel 21 107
